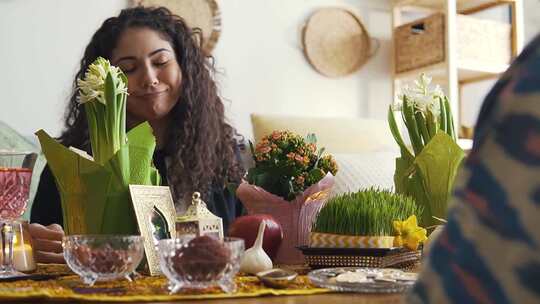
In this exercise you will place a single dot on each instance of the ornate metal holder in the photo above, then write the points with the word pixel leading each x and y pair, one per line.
pixel 199 220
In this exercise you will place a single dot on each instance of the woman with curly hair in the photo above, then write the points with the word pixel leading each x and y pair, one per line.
pixel 170 85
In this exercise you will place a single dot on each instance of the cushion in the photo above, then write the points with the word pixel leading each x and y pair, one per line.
pixel 363 170
pixel 336 135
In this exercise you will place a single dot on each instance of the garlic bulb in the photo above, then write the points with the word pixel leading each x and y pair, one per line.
pixel 255 259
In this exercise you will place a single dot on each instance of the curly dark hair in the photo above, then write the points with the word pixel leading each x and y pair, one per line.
pixel 200 142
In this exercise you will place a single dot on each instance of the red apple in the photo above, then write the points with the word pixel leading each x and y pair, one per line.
pixel 246 227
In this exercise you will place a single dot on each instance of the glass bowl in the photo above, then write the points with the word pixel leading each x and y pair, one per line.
pixel 103 257
pixel 200 262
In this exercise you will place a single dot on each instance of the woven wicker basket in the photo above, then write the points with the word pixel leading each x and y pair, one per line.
pixel 336 43
pixel 422 42
pixel 204 15
pixel 360 257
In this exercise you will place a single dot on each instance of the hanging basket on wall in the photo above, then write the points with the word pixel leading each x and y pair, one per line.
pixel 336 42
pixel 202 14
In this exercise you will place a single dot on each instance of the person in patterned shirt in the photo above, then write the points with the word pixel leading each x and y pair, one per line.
pixel 489 251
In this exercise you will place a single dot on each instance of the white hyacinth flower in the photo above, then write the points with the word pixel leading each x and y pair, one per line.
pixel 92 87
pixel 423 96
pixel 103 93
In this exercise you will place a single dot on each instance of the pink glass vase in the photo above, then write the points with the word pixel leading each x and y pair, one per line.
pixel 295 217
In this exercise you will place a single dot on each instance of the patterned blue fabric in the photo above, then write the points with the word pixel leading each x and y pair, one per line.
pixel 529 276
pixel 489 251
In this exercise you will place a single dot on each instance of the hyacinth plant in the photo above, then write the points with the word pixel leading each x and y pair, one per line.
pixel 286 164
pixel 105 114
pixel 94 190
pixel 426 172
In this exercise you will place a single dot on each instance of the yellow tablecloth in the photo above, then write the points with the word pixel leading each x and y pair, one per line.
pixel 69 287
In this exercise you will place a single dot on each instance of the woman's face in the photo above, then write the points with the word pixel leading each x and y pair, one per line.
pixel 154 75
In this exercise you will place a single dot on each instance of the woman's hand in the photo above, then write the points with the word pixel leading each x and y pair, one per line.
pixel 47 241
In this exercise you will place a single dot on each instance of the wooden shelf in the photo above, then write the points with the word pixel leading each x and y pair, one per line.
pixel 474 71
pixel 463 6
pixel 467 71
pixel 454 71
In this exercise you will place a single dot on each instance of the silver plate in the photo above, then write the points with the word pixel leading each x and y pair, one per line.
pixel 380 280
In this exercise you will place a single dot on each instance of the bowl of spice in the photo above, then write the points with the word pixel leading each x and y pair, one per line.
pixel 103 257
pixel 200 262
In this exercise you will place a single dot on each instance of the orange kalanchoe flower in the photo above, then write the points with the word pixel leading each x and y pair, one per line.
pixel 286 164
pixel 408 234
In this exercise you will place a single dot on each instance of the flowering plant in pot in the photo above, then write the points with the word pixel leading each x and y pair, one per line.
pixel 94 189
pixel 290 181
pixel 427 171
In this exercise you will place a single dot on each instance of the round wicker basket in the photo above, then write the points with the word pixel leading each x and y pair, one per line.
pixel 202 14
pixel 336 42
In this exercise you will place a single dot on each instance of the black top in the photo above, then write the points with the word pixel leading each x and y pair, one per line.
pixel 47 208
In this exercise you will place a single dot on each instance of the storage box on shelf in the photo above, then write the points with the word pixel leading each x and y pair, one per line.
pixel 452 45
pixel 462 6
pixel 485 42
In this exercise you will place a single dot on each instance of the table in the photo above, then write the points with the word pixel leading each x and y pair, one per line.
pixel 314 296
pixel 315 299
pixel 311 299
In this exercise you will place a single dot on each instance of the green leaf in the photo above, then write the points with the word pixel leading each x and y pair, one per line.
pixel 431 122
pixel 155 178
pixel 111 112
pixel 449 119
pixel 443 119
pixel 422 126
pixel 119 165
pixel 404 170
pixel 141 143
pixel 437 167
pixel 316 175
pixel 410 122
pixel 396 133
pixel 262 179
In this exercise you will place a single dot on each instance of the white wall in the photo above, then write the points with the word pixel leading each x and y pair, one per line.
pixel 532 18
pixel 259 54
pixel 41 43
pixel 266 71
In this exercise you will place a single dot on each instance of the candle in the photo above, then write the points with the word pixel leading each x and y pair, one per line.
pixel 23 258
pixel 23 255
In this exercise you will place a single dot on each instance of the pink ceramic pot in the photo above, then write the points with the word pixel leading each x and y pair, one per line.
pixel 295 217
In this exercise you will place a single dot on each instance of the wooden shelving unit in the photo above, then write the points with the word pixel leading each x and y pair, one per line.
pixel 453 72
pixel 462 6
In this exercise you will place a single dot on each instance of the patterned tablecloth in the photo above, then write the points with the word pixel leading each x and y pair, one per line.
pixel 66 286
